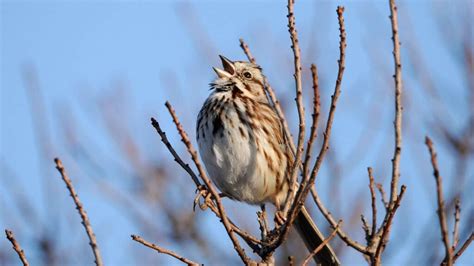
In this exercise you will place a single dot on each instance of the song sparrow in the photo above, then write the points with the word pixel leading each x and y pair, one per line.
pixel 244 150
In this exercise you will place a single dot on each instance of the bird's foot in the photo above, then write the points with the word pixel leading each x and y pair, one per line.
pixel 280 218
pixel 202 192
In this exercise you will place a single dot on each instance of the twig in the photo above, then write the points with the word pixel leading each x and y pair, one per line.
pixel 163 250
pixel 262 220
pixel 398 104
pixel 321 246
pixel 457 218
pixel 441 215
pixel 365 227
pixel 356 245
pixel 177 159
pixel 383 196
pixel 315 120
pixel 16 246
pixel 374 205
pixel 387 226
pixel 327 133
pixel 225 221
pixel 82 212
pixel 247 52
pixel 300 107
pixel 463 247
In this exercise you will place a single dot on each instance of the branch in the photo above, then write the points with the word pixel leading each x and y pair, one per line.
pixel 16 246
pixel 315 121
pixel 441 215
pixel 82 212
pixel 299 104
pixel 356 245
pixel 383 196
pixel 307 184
pixel 374 205
pixel 225 221
pixel 457 218
pixel 387 226
pixel 398 104
pixel 327 133
pixel 463 247
pixel 177 159
pixel 163 250
pixel 321 246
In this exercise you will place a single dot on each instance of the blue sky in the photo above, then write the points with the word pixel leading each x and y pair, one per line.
pixel 162 51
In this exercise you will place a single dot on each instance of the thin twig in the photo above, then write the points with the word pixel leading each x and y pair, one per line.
pixel 207 181
pixel 262 220
pixel 16 246
pixel 457 218
pixel 82 212
pixel 441 214
pixel 322 245
pixel 315 119
pixel 327 133
pixel 374 205
pixel 387 226
pixel 463 247
pixel 398 104
pixel 163 250
pixel 356 245
pixel 177 159
pixel 365 227
pixel 383 196
pixel 299 104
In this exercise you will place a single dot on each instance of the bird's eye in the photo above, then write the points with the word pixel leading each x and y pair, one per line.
pixel 247 75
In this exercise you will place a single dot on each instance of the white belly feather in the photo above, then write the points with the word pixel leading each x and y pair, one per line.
pixel 232 160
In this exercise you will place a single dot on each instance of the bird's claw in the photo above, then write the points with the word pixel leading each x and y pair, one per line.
pixel 202 192
pixel 280 218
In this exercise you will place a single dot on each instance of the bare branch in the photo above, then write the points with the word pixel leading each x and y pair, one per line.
pixel 299 104
pixel 164 250
pixel 324 243
pixel 16 246
pixel 356 245
pixel 387 226
pixel 463 247
pixel 439 189
pixel 247 52
pixel 457 218
pixel 315 121
pixel 374 205
pixel 177 159
pixel 82 212
pixel 325 146
pixel 307 184
pixel 398 104
pixel 383 196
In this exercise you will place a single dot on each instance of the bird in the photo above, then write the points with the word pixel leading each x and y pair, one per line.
pixel 244 149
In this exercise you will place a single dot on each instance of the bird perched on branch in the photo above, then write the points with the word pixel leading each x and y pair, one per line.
pixel 244 149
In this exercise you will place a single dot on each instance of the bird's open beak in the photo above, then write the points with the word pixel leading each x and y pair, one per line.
pixel 229 68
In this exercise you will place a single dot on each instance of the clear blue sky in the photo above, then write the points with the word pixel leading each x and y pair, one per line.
pixel 82 49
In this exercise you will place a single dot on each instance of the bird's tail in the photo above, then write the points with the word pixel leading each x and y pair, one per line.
pixel 312 237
